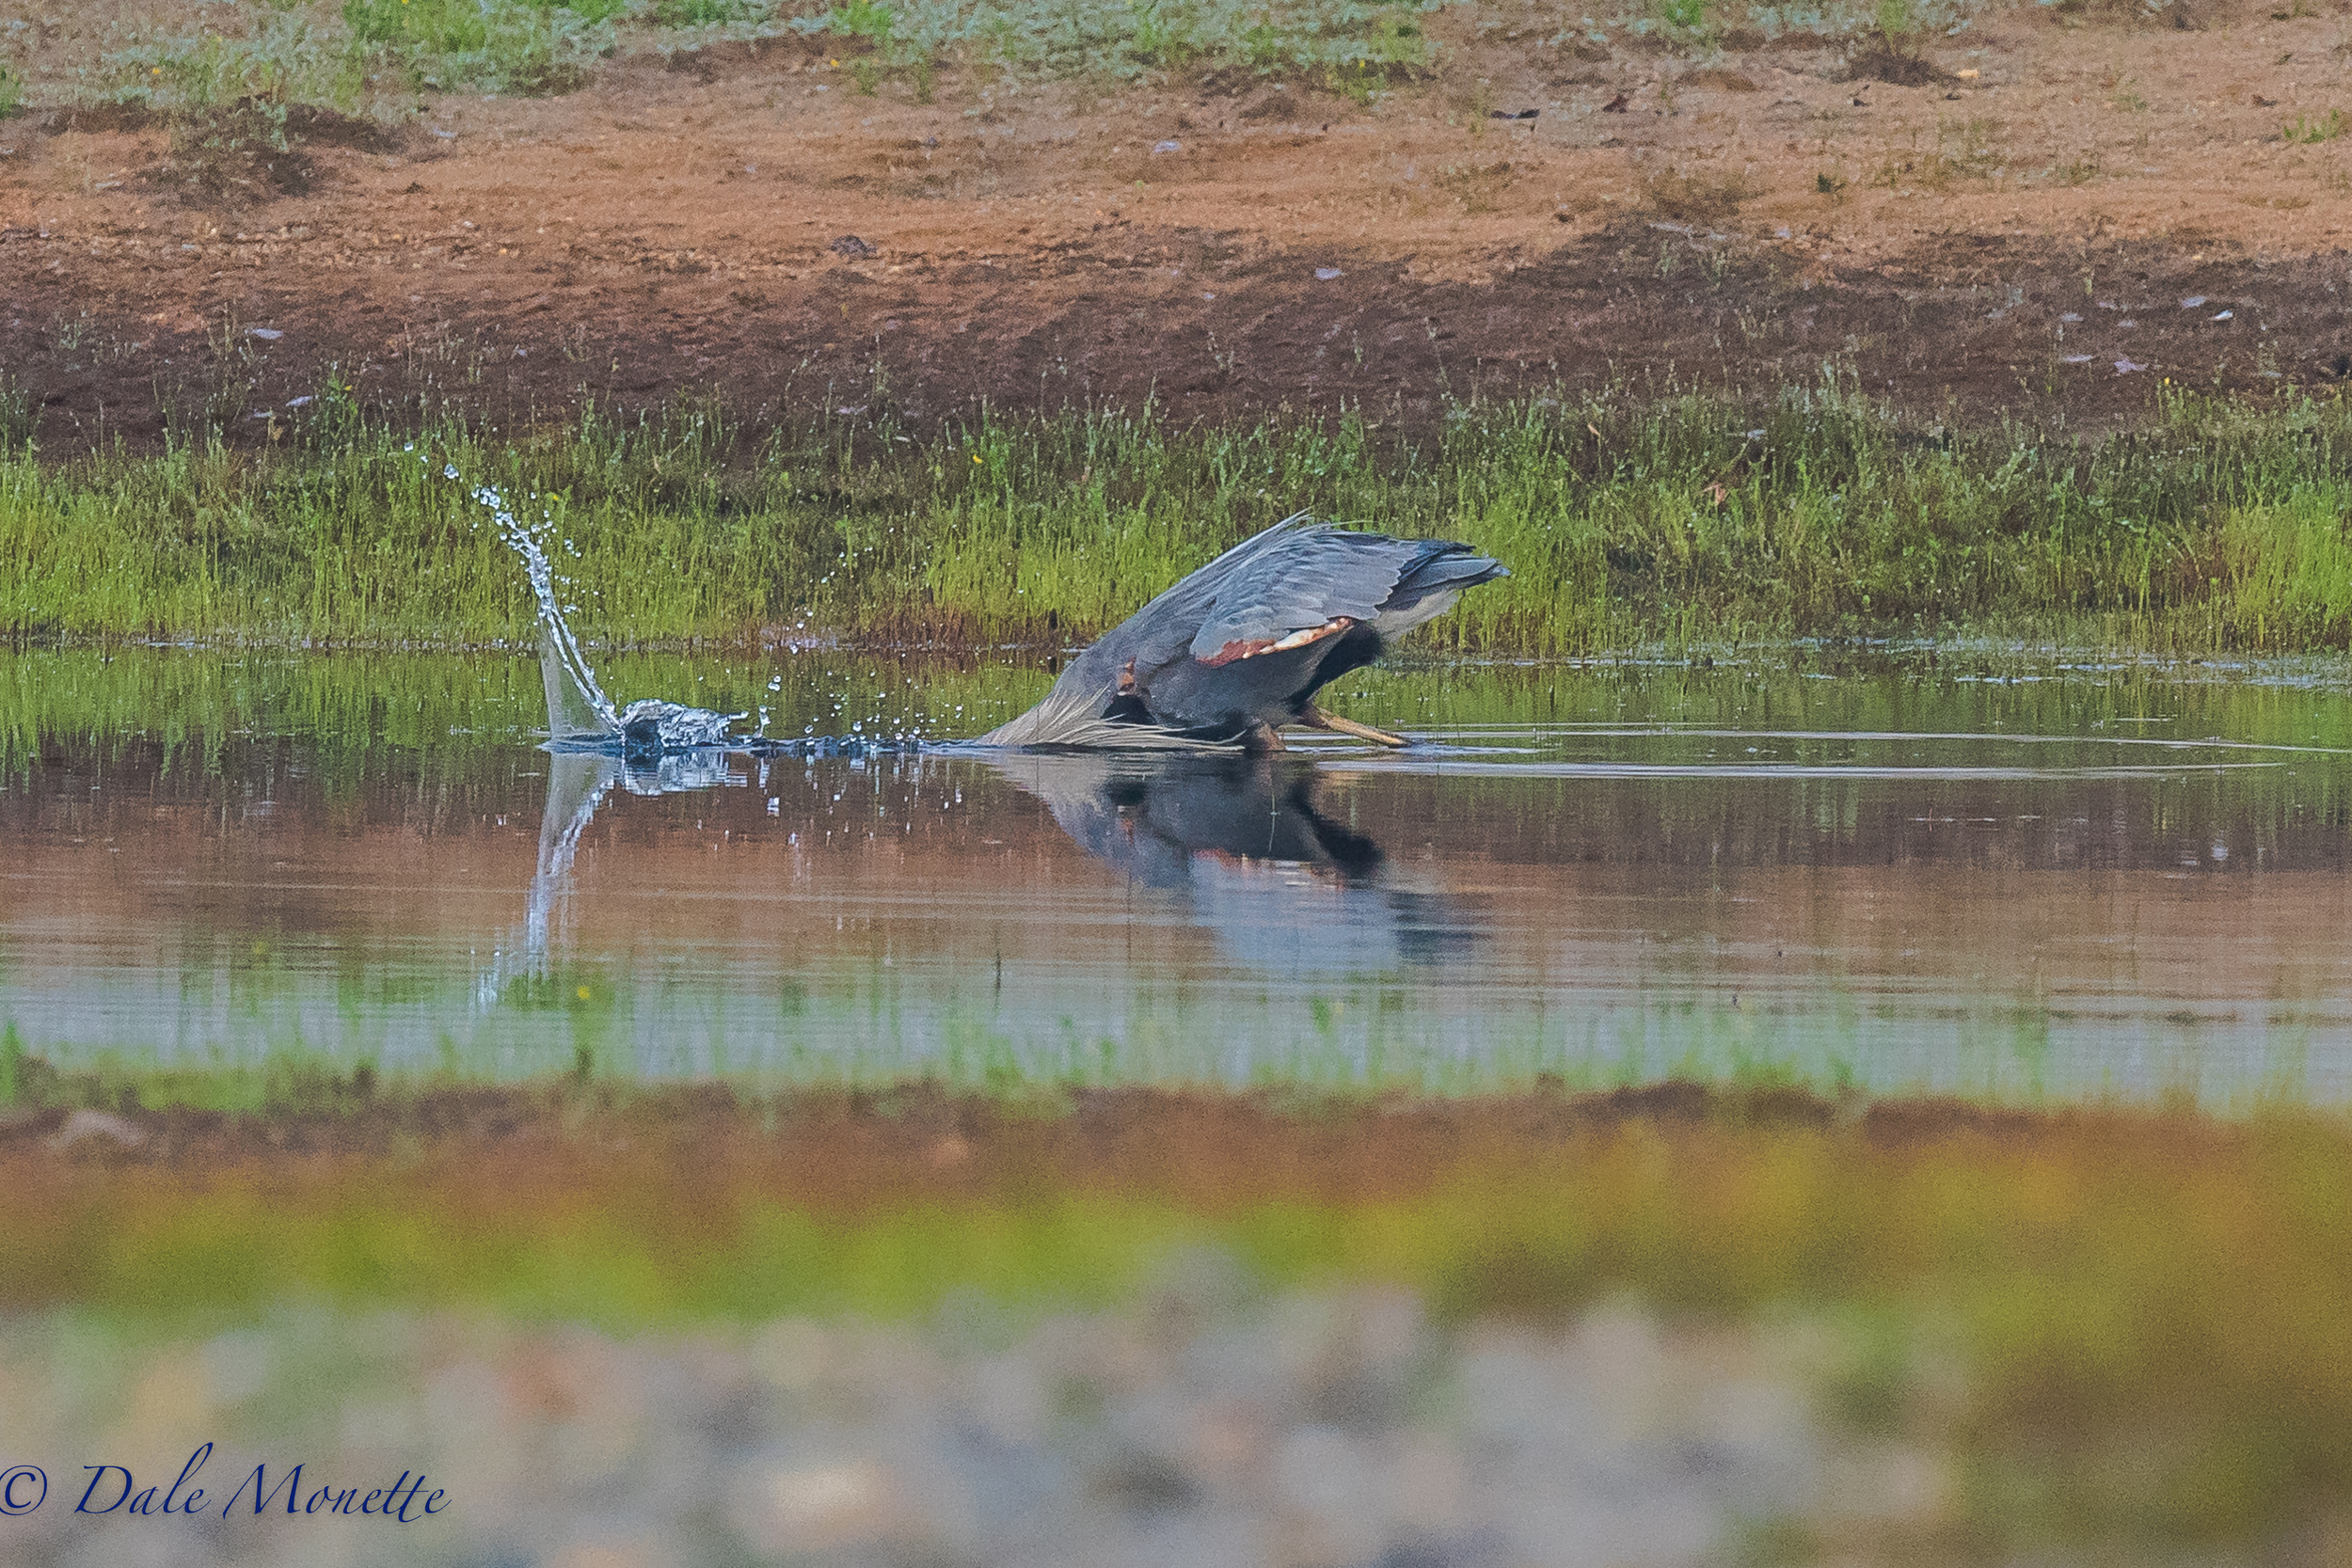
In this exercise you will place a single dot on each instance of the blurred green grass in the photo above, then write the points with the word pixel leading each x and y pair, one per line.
pixel 1680 521
pixel 2129 1326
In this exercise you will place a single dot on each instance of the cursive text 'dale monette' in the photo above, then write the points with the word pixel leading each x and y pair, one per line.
pixel 114 1490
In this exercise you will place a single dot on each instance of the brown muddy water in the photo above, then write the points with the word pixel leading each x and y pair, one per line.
pixel 2001 873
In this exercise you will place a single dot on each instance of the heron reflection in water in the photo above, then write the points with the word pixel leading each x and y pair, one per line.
pixel 1245 842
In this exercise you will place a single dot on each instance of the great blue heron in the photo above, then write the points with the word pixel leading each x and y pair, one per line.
pixel 1238 649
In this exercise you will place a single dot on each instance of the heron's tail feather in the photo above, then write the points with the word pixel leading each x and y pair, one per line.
pixel 1448 567
pixel 1432 583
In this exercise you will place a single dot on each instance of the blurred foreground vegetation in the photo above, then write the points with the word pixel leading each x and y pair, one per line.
pixel 1682 521
pixel 2116 1328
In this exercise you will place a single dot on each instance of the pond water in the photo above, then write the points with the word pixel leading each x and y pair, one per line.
pixel 2006 875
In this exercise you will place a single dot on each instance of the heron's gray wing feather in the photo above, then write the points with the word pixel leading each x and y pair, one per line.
pixel 1317 575
pixel 1155 636
pixel 1162 631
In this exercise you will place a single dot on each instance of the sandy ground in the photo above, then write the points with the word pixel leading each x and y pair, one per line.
pixel 2066 216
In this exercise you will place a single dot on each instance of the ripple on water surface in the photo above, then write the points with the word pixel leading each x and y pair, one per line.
pixel 2116 881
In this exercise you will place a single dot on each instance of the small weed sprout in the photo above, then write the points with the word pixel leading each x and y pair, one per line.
pixel 1696 196
pixel 710 13
pixel 20 413
pixel 1964 149
pixel 2079 171
pixel 1897 24
pixel 1477 187
pixel 1687 19
pixel 2309 129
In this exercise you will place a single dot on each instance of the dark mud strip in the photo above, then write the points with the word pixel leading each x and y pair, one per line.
pixel 850 1148
pixel 1205 326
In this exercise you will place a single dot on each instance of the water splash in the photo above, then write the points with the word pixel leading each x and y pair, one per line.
pixel 578 709
pixel 581 717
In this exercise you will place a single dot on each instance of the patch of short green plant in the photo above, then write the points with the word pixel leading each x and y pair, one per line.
pixel 226 98
pixel 286 58
pixel 365 55
pixel 1899 26
pixel 711 14
pixel 2310 129
pixel 1340 42
pixel 516 46
pixel 20 414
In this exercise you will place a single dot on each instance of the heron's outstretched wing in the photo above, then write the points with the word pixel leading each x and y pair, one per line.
pixel 1316 582
pixel 1163 630
pixel 1073 714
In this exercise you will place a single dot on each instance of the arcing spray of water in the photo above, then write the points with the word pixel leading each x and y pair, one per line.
pixel 581 717
pixel 578 709
pixel 578 713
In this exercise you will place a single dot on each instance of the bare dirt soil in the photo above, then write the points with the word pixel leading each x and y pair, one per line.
pixel 2060 216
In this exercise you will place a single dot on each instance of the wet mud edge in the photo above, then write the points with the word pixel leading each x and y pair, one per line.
pixel 841 1149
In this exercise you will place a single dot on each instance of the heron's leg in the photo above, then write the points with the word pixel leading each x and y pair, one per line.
pixel 1317 719
pixel 1261 738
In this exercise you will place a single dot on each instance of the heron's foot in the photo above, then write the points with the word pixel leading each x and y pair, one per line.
pixel 1261 738
pixel 1318 719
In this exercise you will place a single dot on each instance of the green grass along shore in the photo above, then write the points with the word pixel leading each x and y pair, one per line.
pixel 1681 521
